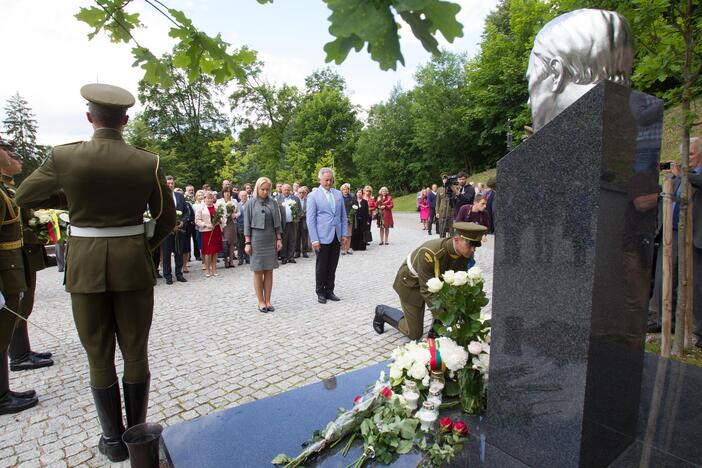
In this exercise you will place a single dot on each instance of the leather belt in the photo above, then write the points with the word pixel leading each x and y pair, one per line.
pixel 117 231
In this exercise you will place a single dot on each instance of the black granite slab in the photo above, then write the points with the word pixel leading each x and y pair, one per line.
pixel 251 435
pixel 569 290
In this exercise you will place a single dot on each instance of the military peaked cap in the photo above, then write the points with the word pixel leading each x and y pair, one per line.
pixel 470 231
pixel 107 95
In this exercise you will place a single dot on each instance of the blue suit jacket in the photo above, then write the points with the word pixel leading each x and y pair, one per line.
pixel 322 223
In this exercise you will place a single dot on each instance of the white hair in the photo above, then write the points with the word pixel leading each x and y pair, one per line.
pixel 325 170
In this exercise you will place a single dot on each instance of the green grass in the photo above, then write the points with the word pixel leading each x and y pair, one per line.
pixel 691 356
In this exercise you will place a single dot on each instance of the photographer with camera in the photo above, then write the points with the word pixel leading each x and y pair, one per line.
pixel 465 193
pixel 444 204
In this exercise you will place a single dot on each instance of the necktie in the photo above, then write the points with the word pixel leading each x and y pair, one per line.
pixel 330 199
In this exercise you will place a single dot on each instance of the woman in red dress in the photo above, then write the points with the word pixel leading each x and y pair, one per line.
pixel 385 222
pixel 211 234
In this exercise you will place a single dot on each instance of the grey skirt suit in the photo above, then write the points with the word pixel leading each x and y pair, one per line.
pixel 262 223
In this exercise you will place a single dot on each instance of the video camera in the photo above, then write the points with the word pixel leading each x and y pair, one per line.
pixel 451 180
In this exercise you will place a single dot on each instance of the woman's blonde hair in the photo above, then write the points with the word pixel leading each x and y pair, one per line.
pixel 260 182
pixel 200 193
pixel 366 188
pixel 346 186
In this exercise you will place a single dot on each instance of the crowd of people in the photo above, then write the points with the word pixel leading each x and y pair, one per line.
pixel 456 200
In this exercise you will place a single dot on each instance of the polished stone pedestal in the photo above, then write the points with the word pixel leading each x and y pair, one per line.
pixel 569 290
pixel 250 435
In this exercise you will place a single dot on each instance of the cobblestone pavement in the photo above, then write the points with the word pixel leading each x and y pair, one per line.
pixel 210 348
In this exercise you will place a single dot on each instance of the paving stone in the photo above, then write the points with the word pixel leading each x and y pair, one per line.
pixel 228 355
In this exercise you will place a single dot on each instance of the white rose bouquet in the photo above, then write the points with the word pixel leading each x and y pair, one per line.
pixel 456 306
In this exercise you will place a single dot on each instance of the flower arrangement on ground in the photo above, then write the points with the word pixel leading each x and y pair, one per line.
pixel 49 225
pixel 452 366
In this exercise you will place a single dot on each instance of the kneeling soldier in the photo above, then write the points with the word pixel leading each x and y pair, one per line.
pixel 430 260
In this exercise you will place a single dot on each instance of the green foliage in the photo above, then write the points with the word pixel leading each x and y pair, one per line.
pixel 197 53
pixel 389 431
pixel 20 128
pixel 182 123
pixel 355 24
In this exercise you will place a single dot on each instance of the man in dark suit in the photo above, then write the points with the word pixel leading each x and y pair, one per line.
pixel 173 245
pixel 290 214
pixel 302 240
pixel 431 198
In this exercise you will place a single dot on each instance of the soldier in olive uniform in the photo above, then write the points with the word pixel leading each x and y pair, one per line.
pixel 21 355
pixel 430 260
pixel 109 270
pixel 12 284
pixel 444 206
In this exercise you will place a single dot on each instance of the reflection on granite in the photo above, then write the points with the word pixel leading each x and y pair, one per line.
pixel 251 435
pixel 567 350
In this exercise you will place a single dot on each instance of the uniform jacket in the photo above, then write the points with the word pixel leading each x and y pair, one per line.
pixel 322 222
pixel 12 274
pixel 104 182
pixel 430 260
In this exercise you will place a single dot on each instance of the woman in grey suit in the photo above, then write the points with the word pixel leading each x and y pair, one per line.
pixel 263 231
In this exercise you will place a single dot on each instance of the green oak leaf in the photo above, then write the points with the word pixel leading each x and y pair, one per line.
pixel 93 17
pixel 411 5
pixel 443 17
pixel 180 17
pixel 421 28
pixel 337 50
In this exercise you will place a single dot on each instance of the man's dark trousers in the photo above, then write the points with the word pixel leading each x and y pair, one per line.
pixel 289 240
pixel 433 220
pixel 325 268
pixel 171 247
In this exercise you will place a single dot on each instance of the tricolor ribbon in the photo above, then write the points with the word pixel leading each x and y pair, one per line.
pixel 54 228
pixel 435 362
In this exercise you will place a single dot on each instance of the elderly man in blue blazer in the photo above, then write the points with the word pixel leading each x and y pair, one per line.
pixel 327 225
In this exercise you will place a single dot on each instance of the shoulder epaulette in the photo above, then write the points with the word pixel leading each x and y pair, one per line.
pixel 71 143
pixel 148 151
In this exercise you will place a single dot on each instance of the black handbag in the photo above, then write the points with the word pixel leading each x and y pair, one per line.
pixel 367 236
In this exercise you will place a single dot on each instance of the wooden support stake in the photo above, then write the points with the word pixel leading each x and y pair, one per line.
pixel 689 320
pixel 667 280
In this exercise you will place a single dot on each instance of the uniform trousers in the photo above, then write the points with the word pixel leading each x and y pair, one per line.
pixel 103 319
pixel 325 266
pixel 19 346
pixel 8 321
pixel 289 239
pixel 412 304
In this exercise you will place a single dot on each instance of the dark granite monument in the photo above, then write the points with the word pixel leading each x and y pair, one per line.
pixel 572 265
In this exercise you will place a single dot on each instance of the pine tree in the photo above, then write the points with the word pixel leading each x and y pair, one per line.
pixel 20 126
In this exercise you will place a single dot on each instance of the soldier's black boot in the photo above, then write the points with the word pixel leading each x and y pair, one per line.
pixel 136 401
pixel 13 402
pixel 21 355
pixel 385 314
pixel 109 411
